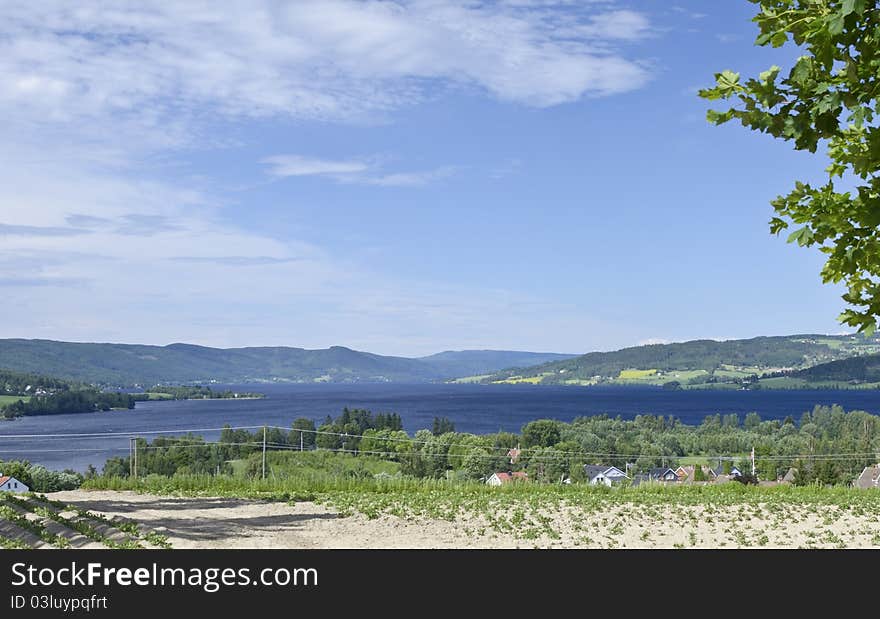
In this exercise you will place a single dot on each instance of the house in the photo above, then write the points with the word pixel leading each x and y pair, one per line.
pixel 497 479
pixel 662 474
pixel 601 474
pixel 513 453
pixel 717 474
pixel 870 477
pixel 686 473
pixel 11 484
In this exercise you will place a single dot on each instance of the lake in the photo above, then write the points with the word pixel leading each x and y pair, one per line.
pixel 473 408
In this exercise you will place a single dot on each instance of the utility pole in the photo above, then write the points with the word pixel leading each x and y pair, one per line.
pixel 135 458
pixel 131 456
pixel 300 440
pixel 264 452
pixel 753 461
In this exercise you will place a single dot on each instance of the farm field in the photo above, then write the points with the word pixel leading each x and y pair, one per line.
pixel 206 512
pixel 9 399
pixel 36 521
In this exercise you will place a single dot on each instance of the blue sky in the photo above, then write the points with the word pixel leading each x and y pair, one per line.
pixel 400 177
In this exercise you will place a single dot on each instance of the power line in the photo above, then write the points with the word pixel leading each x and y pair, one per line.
pixel 524 452
pixel 130 432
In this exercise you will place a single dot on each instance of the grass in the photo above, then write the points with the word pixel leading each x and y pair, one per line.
pixel 518 380
pixel 790 382
pixel 9 399
pixel 636 374
pixel 291 464
pixel 155 395
pixel 471 379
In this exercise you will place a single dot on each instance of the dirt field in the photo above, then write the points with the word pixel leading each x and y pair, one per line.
pixel 233 523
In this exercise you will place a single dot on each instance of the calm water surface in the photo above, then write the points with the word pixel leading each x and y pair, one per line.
pixel 473 408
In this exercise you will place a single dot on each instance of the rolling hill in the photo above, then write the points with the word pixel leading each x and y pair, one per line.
pixel 134 364
pixel 855 369
pixel 699 362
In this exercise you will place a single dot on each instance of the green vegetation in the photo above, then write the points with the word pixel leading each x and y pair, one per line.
pixel 636 374
pixel 525 511
pixel 62 526
pixel 707 364
pixel 22 383
pixel 192 392
pixel 549 450
pixel 80 401
pixel 115 365
pixel 32 394
pixel 828 98
pixel 40 479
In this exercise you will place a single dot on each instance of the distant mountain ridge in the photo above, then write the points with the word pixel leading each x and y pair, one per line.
pixel 778 361
pixel 702 362
pixel 131 364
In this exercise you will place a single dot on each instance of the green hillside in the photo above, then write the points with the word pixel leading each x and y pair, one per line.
pixel 696 364
pixel 132 364
pixel 864 369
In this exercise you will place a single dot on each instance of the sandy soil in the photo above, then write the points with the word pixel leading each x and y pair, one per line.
pixel 235 523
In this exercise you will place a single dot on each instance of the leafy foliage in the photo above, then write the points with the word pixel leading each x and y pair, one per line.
pixel 79 401
pixel 829 97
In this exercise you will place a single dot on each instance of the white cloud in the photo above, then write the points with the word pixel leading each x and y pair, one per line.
pixel 728 38
pixel 100 101
pixel 357 171
pixel 624 25
pixel 411 179
pixel 156 64
pixel 297 165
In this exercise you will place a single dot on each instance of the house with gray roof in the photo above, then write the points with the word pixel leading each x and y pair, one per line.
pixel 602 474
pixel 870 478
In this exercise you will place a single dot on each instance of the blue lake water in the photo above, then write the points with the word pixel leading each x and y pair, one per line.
pixel 473 408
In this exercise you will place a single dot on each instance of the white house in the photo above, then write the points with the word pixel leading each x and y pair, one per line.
pixel 607 475
pixel 11 484
pixel 497 479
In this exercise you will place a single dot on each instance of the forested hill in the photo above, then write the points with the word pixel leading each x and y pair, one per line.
pixel 457 363
pixel 864 369
pixel 697 362
pixel 130 364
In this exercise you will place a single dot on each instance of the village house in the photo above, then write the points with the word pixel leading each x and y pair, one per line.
pixel 870 478
pixel 497 479
pixel 606 475
pixel 718 471
pixel 662 474
pixel 657 475
pixel 687 473
pixel 11 484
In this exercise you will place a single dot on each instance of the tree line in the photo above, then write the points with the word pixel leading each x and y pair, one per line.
pixel 79 401
pixel 548 450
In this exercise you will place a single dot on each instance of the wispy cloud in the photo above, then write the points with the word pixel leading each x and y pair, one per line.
pixel 13 230
pixel 97 97
pixel 411 179
pixel 728 38
pixel 689 13
pixel 297 165
pixel 153 66
pixel 237 261
pixel 359 171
